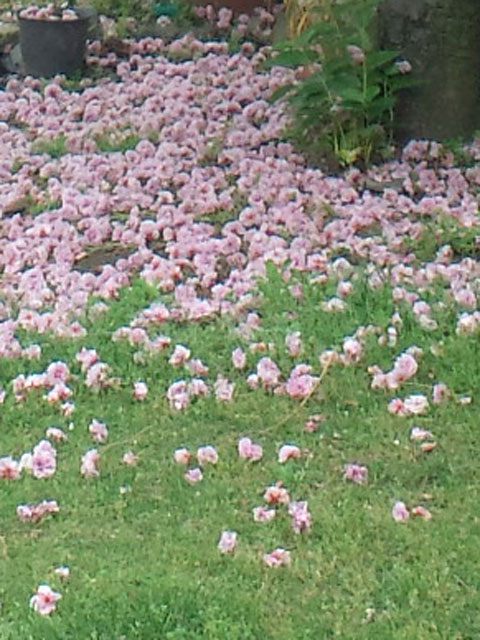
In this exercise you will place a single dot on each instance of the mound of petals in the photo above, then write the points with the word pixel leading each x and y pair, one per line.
pixel 90 462
pixel 9 468
pixel 301 517
pixel 207 455
pixel 276 494
pixel 400 512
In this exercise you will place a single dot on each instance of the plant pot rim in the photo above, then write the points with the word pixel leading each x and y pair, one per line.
pixel 83 13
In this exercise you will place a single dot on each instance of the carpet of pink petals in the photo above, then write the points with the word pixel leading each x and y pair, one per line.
pixel 165 190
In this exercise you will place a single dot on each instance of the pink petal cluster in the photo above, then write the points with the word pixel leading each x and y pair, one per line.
pixel 279 557
pixel 192 476
pixel 35 512
pixel 404 368
pixel 44 601
pixel 98 430
pixel 140 390
pixel 182 455
pixel 90 462
pixel 301 383
pixel 276 494
pixel 43 460
pixel 207 455
pixel 355 473
pixel 288 452
pixel 301 517
pixel 227 542
pixel 293 343
pixel 262 514
pixel 400 512
pixel 9 468
pixel 248 450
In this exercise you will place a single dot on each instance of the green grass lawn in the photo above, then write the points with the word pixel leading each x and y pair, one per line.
pixel 141 543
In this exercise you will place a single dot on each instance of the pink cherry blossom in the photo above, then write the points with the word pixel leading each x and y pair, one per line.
pixel 276 494
pixel 248 450
pixel 279 557
pixel 422 512
pixel 419 434
pixel 223 389
pixel 44 601
pixel 179 356
pixel 355 473
pixel 140 390
pixel 268 372
pixel 440 393
pixel 416 404
pixel 182 456
pixel 44 460
pixel 288 452
pixel 35 512
pixel 400 512
pixel 207 455
pixel 227 542
pixel 130 459
pixel 9 468
pixel 63 572
pixel 55 433
pixel 98 430
pixel 192 476
pixel 90 462
pixel 301 517
pixel 293 343
pixel 262 514
pixel 239 359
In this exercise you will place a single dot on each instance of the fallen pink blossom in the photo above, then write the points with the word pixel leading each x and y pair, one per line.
pixel 279 557
pixel 262 514
pixel 248 450
pixel 400 512
pixel 207 455
pixel 192 476
pixel 182 455
pixel 288 452
pixel 355 473
pixel 227 542
pixel 44 601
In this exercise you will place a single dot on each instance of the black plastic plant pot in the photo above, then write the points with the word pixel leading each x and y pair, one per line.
pixel 52 47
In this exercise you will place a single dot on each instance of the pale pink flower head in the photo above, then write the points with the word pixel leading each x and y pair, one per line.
pixel 90 461
pixel 44 460
pixel 223 389
pixel 400 512
pixel 422 512
pixel 55 433
pixel 86 357
pixel 404 368
pixel 419 434
pixel 355 473
pixel 262 514
pixel 130 459
pixel 440 393
pixel 63 572
pixel 178 396
pixel 44 601
pixel 279 557
pixel 416 404
pixel 182 455
pixel 293 343
pixel 397 407
pixel 276 494
pixel 268 372
pixel 140 390
pixel 239 359
pixel 357 54
pixel 288 452
pixel 9 468
pixel 352 350
pixel 192 476
pixel 227 542
pixel 207 455
pixel 67 408
pixel 98 430
pixel 57 372
pixel 300 383
pixel 26 462
pixel 312 422
pixel 301 517
pixel 248 450
pixel 179 356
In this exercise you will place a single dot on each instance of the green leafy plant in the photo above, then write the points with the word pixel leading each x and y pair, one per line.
pixel 344 96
